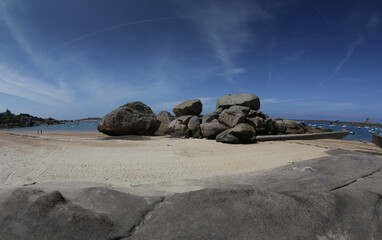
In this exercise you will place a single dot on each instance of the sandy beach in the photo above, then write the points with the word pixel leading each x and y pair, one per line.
pixel 131 160
pixel 124 161
pixel 91 186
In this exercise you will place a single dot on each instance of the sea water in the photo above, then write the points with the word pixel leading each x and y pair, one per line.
pixel 360 134
pixel 81 126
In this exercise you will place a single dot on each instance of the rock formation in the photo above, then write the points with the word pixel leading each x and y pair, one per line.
pixel 134 118
pixel 165 118
pixel 243 99
pixel 189 107
pixel 241 133
pixel 236 120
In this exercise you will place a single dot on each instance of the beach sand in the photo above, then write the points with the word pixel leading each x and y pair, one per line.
pixel 28 158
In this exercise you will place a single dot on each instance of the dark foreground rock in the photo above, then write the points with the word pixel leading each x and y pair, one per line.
pixel 134 118
pixel 334 197
pixel 377 140
pixel 253 214
pixel 97 213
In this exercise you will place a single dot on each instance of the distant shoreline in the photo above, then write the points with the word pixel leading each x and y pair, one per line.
pixel 355 124
pixel 42 124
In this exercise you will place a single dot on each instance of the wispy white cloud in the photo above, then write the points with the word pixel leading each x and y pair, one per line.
pixel 275 100
pixel 165 106
pixel 68 81
pixel 349 53
pixel 294 57
pixel 224 26
pixel 34 87
pixel 208 105
pixel 373 22
pixel 31 88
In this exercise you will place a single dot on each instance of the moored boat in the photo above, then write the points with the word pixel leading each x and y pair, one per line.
pixel 377 140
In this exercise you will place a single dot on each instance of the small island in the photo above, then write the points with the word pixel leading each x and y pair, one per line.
pixel 10 120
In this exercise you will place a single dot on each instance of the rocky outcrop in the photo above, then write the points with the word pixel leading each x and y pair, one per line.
pixel 211 129
pixel 134 118
pixel 189 107
pixel 185 126
pixel 165 119
pixel 241 133
pixel 194 127
pixel 235 120
pixel 234 115
pixel 97 213
pixel 243 99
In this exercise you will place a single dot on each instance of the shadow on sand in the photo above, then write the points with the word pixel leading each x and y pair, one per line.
pixel 127 137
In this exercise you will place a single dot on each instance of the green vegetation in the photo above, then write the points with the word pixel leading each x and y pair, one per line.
pixel 8 119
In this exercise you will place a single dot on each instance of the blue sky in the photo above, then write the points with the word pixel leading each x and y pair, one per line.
pixel 305 59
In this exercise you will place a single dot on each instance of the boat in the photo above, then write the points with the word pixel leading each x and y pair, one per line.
pixel 344 126
pixel 377 140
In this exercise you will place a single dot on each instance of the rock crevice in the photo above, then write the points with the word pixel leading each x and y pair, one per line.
pixel 355 180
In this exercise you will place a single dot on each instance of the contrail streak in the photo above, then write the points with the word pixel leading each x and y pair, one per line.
pixel 111 28
pixel 325 19
pixel 349 53
pixel 101 31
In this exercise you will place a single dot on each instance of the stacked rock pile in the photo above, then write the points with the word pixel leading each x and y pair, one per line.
pixel 187 123
pixel 237 119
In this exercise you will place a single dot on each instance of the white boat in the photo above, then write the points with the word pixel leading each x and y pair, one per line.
pixel 344 126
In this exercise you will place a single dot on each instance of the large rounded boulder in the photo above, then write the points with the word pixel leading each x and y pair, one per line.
pixel 211 129
pixel 241 133
pixel 242 99
pixel 165 118
pixel 134 118
pixel 189 107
